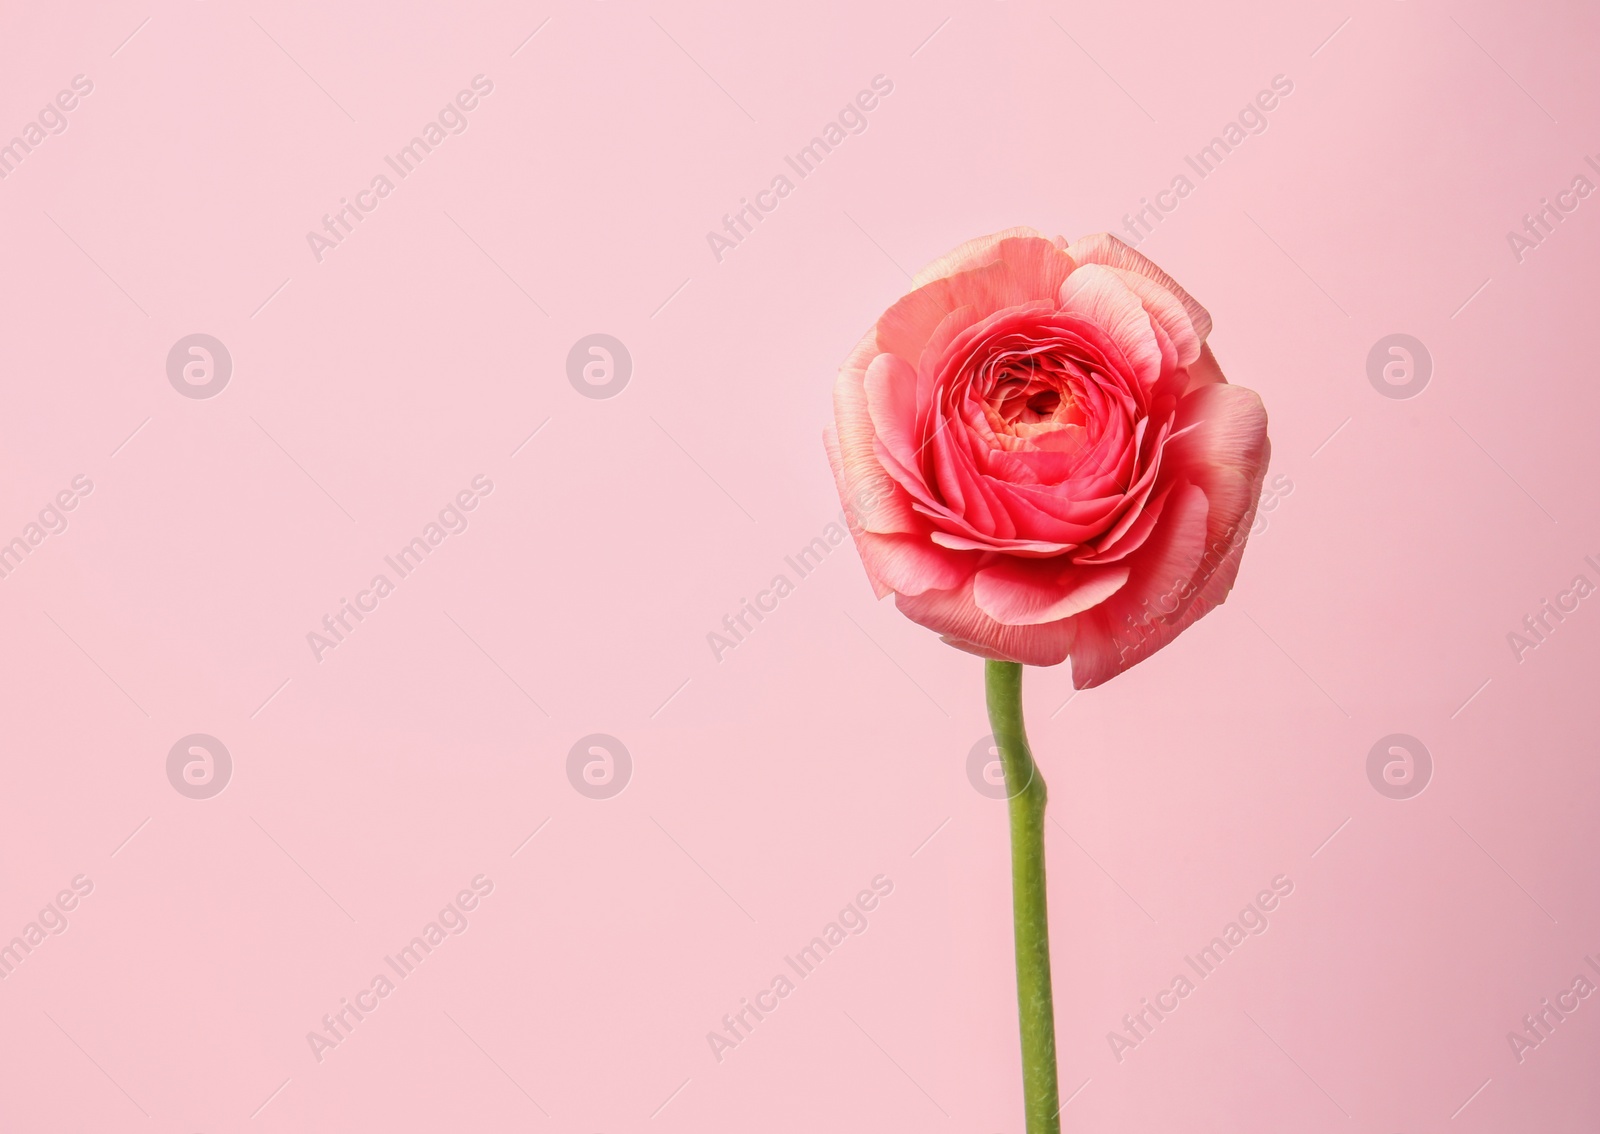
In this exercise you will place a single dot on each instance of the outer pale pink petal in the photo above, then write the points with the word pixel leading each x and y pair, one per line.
pixel 910 564
pixel 865 487
pixel 891 388
pixel 1224 452
pixel 1030 592
pixel 955 616
pixel 1107 642
pixel 830 441
pixel 1223 426
pixel 1166 312
pixel 1098 295
pixel 1204 371
pixel 972 254
pixel 906 563
pixel 1019 270
pixel 1103 248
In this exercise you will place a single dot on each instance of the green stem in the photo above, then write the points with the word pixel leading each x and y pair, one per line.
pixel 1026 792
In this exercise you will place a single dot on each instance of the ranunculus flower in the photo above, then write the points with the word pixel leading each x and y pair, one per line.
pixel 1040 458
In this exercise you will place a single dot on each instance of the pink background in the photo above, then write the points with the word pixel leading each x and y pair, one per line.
pixel 830 746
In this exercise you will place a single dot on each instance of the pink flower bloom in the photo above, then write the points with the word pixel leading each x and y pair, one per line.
pixel 1040 457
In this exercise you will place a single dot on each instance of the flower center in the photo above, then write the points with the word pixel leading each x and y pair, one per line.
pixel 1027 399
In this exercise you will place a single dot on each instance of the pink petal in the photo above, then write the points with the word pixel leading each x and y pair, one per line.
pixel 955 616
pixel 972 254
pixel 1166 312
pixel 912 564
pixel 1098 295
pixel 891 394
pixel 1027 593
pixel 1155 604
pixel 1103 248
pixel 865 486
